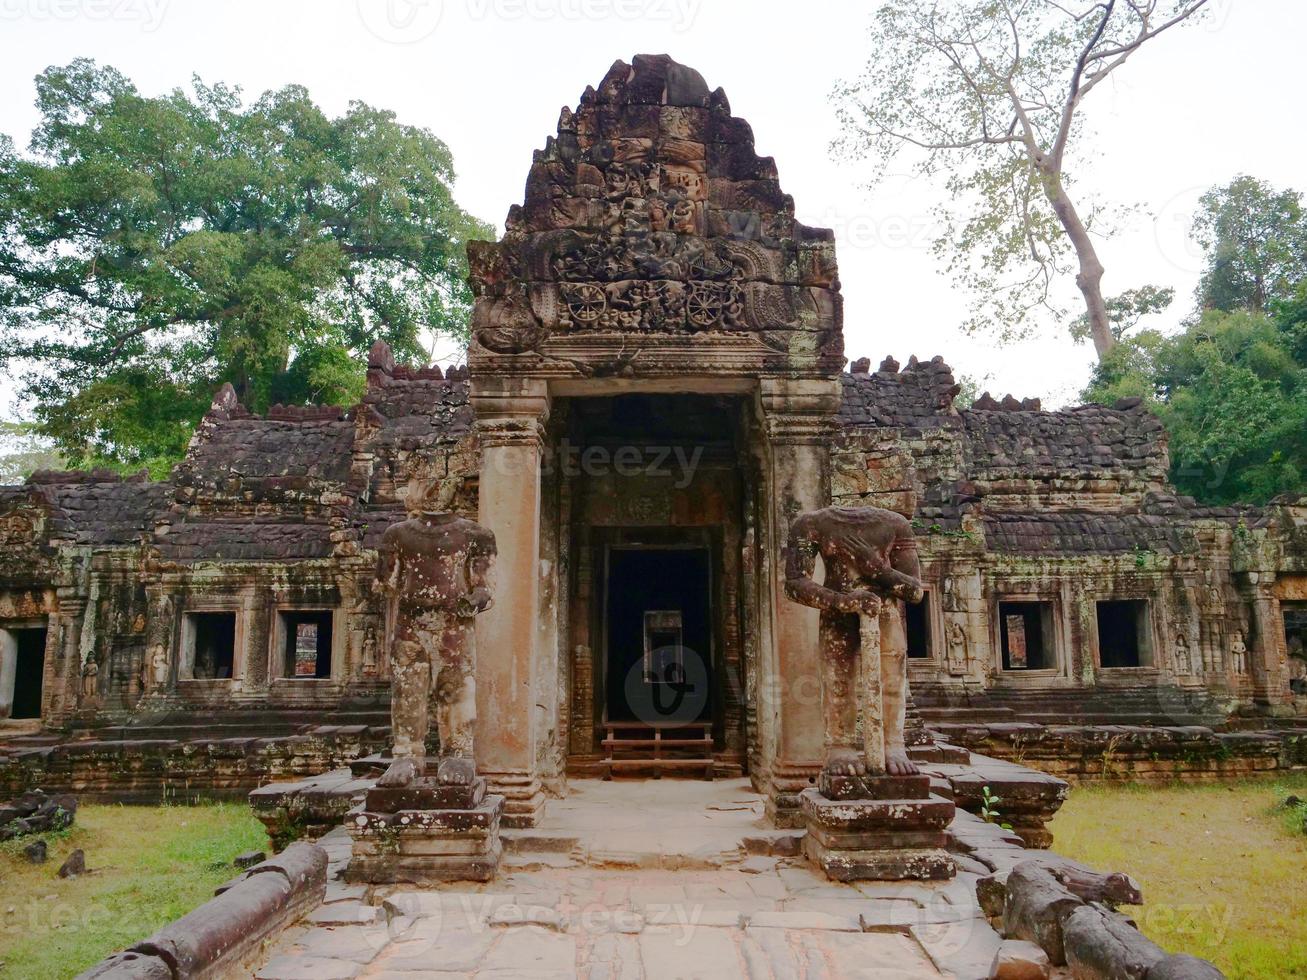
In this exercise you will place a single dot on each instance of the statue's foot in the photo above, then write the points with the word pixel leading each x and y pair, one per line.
pixel 897 763
pixel 402 772
pixel 456 772
pixel 845 762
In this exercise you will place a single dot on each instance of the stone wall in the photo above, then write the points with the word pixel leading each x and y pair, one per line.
pixel 1128 752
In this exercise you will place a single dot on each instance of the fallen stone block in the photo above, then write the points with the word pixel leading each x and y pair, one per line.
pixel 1104 945
pixel 1017 959
pixel 36 852
pixel 1036 908
pixel 129 966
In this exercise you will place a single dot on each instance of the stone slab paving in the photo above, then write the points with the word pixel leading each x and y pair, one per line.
pixel 622 905
pixel 780 921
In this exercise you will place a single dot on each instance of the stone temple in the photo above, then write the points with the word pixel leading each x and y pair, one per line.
pixel 655 386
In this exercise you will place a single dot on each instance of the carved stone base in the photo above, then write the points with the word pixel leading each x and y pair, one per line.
pixel 524 798
pixel 784 803
pixel 425 847
pixel 425 794
pixel 899 833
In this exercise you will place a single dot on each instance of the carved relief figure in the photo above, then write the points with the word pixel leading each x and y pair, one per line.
pixel 871 564
pixel 90 681
pixel 157 669
pixel 434 569
pixel 957 649
pixel 1185 662
pixel 1239 654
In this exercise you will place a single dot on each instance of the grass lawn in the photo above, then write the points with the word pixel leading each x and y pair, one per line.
pixel 148 866
pixel 1223 869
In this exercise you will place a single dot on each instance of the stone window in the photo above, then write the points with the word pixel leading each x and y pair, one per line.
pixel 209 646
pixel 1124 633
pixel 22 670
pixel 1026 632
pixel 917 624
pixel 303 644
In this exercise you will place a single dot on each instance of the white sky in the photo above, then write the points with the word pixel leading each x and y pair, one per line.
pixel 1195 108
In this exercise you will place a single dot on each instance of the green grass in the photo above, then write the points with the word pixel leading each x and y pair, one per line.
pixel 1222 866
pixel 148 866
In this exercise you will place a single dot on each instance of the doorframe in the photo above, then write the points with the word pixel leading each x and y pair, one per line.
pixel 18 625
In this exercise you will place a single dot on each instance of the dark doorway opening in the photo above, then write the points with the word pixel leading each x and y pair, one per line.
pixel 1026 629
pixel 1295 643
pixel 306 648
pixel 659 647
pixel 214 637
pixel 29 673
pixel 1123 633
pixel 917 623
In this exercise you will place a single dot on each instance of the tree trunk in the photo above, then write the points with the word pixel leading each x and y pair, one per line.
pixel 1090 276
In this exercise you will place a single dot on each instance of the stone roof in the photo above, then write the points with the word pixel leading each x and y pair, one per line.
pixel 244 453
pixel 1079 441
pixel 245 540
pixel 1086 533
pixel 918 397
pixel 95 508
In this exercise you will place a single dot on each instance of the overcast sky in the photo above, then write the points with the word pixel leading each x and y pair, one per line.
pixel 1193 109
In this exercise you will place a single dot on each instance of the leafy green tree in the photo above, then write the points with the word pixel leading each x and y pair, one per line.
pixel 1256 242
pixel 1232 391
pixel 989 93
pixel 152 248
pixel 1125 311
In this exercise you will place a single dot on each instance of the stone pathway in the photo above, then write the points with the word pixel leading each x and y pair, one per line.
pixel 666 879
pixel 765 918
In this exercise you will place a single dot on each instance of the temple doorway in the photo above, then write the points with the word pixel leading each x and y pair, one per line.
pixel 22 671
pixel 658 655
pixel 655 494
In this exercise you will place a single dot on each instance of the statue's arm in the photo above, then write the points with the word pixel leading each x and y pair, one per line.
pixel 902 576
pixel 800 562
pixel 480 559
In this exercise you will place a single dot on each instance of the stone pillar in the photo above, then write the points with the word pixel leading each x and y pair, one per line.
pixel 799 417
pixel 8 672
pixel 510 430
pixel 1268 655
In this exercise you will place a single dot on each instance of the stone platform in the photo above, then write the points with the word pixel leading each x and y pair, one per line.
pixel 877 828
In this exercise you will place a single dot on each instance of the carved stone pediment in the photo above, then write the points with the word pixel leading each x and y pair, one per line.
pixel 650 222
pixel 21 528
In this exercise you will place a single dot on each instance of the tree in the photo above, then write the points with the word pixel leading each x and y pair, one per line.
pixel 1256 243
pixel 1125 311
pixel 1232 392
pixel 989 92
pixel 153 247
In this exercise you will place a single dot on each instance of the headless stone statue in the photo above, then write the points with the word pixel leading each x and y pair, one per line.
pixel 434 569
pixel 871 563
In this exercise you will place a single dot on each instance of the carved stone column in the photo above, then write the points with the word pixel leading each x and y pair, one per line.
pixel 510 430
pixel 799 418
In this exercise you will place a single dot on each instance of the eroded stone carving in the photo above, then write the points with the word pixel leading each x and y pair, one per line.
pixel 650 213
pixel 434 568
pixel 871 564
